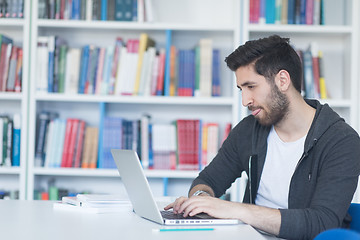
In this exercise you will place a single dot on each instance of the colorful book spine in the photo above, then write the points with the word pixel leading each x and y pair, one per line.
pixel 16 141
pixel 167 64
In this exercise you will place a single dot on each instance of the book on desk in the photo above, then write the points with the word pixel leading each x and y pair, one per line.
pixel 94 203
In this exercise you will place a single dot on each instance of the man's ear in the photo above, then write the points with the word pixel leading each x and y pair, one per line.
pixel 283 80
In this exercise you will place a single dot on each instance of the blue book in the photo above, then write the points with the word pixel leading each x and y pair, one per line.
pixel 119 10
pixel 128 10
pixel 192 71
pixel 51 50
pixel 100 162
pixel 134 11
pixel 104 10
pixel 262 11
pixel 112 139
pixel 308 74
pixel 167 64
pixel 151 154
pixel 83 68
pixel 75 11
pixel 291 11
pixel 270 11
pixel 5 39
pixel 216 73
pixel 303 11
pixel 16 141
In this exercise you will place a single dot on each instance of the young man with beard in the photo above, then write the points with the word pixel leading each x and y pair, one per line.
pixel 302 159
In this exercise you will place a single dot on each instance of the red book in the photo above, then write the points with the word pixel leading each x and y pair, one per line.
pixel 4 64
pixel 10 84
pixel 66 142
pixel 196 146
pixel 316 74
pixel 79 144
pixel 44 196
pixel 72 143
pixel 18 76
pixel 254 13
pixel 160 79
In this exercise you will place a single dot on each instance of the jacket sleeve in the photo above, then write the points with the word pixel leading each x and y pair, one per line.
pixel 230 161
pixel 336 177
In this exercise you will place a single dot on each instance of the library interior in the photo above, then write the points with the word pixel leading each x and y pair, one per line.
pixel 81 77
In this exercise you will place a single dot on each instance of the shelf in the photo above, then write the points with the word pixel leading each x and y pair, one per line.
pixel 310 29
pixel 135 99
pixel 344 103
pixel 10 96
pixel 10 170
pixel 93 25
pixel 78 172
pixel 11 22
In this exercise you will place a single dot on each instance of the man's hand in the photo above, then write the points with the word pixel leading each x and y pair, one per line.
pixel 263 218
pixel 215 207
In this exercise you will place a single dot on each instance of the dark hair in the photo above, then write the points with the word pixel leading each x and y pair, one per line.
pixel 270 55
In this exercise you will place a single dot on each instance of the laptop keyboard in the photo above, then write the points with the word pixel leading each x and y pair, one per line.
pixel 172 215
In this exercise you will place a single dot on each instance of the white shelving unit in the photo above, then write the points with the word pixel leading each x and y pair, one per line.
pixel 189 21
pixel 14 178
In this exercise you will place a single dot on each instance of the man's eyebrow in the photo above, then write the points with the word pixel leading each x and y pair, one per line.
pixel 246 84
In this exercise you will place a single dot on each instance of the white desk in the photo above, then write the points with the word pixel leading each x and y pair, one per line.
pixel 38 220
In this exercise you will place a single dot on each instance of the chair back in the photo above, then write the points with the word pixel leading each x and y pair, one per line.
pixel 338 234
pixel 354 211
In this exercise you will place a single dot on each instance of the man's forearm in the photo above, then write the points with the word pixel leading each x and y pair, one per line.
pixel 263 218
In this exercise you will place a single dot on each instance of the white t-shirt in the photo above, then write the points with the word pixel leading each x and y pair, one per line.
pixel 280 163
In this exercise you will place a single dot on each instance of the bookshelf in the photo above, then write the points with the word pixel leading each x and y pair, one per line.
pixel 188 21
pixel 13 179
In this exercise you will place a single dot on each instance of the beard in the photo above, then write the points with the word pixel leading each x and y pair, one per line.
pixel 275 110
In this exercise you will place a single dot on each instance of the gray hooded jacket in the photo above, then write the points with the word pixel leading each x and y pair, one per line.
pixel 324 181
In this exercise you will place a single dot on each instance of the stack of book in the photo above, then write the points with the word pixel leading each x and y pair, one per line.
pixel 94 203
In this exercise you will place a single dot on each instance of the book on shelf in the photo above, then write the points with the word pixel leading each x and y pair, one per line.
pixel 90 147
pixel 313 70
pixel 89 10
pixel 144 43
pixel 10 140
pixel 164 146
pixel 16 140
pixel 134 68
pixel 72 70
pixel 5 54
pixel 10 65
pixel 304 12
pixel 42 58
pixel 205 70
pixel 12 9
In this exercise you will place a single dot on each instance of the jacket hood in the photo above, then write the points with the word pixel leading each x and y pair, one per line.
pixel 324 118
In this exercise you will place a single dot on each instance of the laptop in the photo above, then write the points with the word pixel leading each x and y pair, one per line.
pixel 141 197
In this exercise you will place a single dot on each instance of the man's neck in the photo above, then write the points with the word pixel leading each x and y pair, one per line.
pixel 297 122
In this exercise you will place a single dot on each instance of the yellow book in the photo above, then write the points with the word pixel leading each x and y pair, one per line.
pixel 322 85
pixel 144 43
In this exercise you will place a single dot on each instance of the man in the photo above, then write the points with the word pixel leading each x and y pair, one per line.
pixel 301 158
